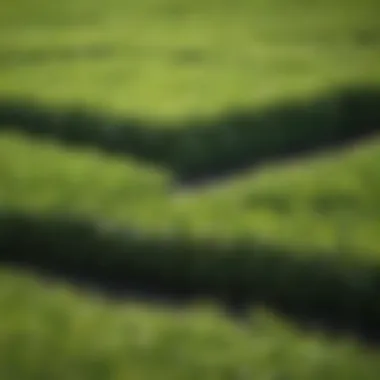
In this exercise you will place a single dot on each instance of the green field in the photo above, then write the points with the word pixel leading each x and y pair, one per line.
pixel 175 60
pixel 103 106
pixel 51 331
pixel 328 200
pixel 46 177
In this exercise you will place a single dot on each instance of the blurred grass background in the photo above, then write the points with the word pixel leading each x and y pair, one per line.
pixel 165 62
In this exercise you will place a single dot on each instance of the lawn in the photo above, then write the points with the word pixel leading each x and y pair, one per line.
pixel 165 60
pixel 44 176
pixel 326 200
pixel 311 224
pixel 168 63
pixel 49 330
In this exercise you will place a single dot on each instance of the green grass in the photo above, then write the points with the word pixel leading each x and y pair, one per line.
pixel 48 330
pixel 44 176
pixel 175 60
pixel 330 200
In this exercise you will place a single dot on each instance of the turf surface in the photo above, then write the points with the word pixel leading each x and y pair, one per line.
pixel 170 60
pixel 48 330
pixel 326 200
pixel 44 176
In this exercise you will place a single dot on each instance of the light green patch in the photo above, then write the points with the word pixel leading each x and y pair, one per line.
pixel 44 176
pixel 172 61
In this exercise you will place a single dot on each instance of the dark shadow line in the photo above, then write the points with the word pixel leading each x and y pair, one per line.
pixel 344 307
pixel 236 312
pixel 203 149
